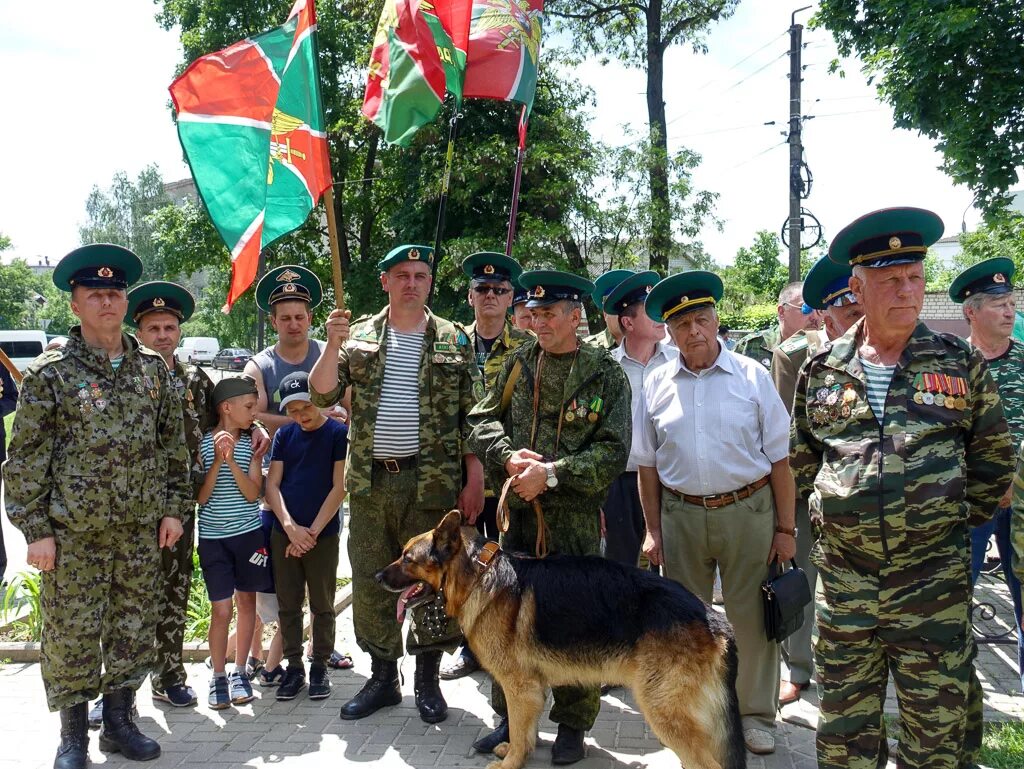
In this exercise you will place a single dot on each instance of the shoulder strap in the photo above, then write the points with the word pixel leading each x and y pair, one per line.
pixel 510 383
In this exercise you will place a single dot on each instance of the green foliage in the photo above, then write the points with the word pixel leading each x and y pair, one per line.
pixel 756 275
pixel 751 317
pixel 25 590
pixel 18 288
pixel 1003 745
pixel 5 243
pixel 950 70
pixel 198 611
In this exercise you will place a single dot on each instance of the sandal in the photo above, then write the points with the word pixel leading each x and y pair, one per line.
pixel 338 661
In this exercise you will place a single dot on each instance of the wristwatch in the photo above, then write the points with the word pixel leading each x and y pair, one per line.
pixel 552 480
pixel 784 530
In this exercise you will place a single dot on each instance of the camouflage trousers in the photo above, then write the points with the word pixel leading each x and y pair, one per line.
pixel 176 577
pixel 99 616
pixel 910 618
pixel 571 531
pixel 380 524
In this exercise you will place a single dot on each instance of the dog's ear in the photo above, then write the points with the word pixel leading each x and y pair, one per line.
pixel 448 535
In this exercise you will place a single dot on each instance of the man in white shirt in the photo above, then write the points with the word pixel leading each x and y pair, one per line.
pixel 711 438
pixel 643 349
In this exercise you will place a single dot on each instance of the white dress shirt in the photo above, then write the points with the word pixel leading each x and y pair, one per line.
pixel 711 432
pixel 636 372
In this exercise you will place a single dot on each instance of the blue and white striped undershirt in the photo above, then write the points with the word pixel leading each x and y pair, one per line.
pixel 878 380
pixel 227 512
pixel 397 430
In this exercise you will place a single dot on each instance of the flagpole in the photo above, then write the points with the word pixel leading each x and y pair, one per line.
pixel 453 132
pixel 261 317
pixel 332 232
pixel 520 157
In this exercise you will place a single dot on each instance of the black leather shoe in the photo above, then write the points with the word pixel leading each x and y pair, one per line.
pixel 119 733
pixel 319 682
pixel 489 742
pixel 73 752
pixel 429 699
pixel 379 691
pixel 293 683
pixel 568 747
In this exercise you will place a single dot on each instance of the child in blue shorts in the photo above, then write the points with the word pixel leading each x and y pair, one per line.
pixel 232 548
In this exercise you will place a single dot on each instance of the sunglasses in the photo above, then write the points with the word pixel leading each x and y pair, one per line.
pixel 497 291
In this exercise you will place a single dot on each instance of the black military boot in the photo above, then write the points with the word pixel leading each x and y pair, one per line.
pixel 119 733
pixel 489 742
pixel 568 747
pixel 73 752
pixel 380 691
pixel 429 699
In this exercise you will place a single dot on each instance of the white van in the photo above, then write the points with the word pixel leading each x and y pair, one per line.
pixel 197 349
pixel 22 347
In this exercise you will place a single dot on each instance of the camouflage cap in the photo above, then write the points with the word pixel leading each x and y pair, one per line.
pixel 98 265
pixel 408 253
pixel 159 296
pixel 232 387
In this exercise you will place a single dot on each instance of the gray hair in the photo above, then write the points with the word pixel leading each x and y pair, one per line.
pixel 975 303
pixel 791 291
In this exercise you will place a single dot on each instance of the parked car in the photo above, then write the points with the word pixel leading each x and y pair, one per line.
pixel 22 347
pixel 232 358
pixel 197 349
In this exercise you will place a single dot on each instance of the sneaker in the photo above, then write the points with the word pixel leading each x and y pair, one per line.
pixel 759 741
pixel 271 677
pixel 220 694
pixel 319 683
pixel 462 665
pixel 294 682
pixel 178 695
pixel 241 689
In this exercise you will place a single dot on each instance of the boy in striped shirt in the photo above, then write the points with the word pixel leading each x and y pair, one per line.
pixel 232 546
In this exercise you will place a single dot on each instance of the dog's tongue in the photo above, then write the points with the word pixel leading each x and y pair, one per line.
pixel 403 599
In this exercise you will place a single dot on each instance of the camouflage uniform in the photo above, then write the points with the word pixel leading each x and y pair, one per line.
pixel 195 391
pixel 387 509
pixel 893 504
pixel 602 339
pixel 592 452
pixel 511 337
pixel 760 344
pixel 97 457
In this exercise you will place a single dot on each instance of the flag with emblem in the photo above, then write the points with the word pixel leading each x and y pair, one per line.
pixel 419 54
pixel 504 50
pixel 250 120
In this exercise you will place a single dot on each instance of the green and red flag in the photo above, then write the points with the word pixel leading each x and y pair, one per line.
pixel 419 54
pixel 250 119
pixel 504 50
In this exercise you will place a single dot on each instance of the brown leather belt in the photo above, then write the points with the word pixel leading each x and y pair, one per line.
pixel 397 465
pixel 720 500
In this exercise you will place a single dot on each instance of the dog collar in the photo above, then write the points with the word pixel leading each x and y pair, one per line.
pixel 487 554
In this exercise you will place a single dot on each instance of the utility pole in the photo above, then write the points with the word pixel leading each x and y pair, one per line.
pixel 796 147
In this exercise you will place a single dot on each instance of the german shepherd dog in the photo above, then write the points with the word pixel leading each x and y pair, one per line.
pixel 569 620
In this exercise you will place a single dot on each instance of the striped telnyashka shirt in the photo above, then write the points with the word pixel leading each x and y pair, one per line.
pixel 878 379
pixel 227 512
pixel 397 430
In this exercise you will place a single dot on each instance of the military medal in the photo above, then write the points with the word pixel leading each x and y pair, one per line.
pixel 569 416
pixel 845 411
pixel 821 394
pixel 438 358
pixel 849 396
pixel 592 416
pixel 101 404
pixel 940 399
pixel 830 379
pixel 595 408
pixel 832 399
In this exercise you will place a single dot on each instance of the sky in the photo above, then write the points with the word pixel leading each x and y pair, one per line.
pixel 94 95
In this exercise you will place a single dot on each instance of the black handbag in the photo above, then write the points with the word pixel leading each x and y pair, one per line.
pixel 784 594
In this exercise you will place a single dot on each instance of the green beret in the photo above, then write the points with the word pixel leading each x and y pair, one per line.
pixel 828 284
pixel 992 276
pixel 887 237
pixel 98 265
pixel 633 289
pixel 288 283
pixel 682 293
pixel 490 265
pixel 604 283
pixel 544 287
pixel 159 296
pixel 410 253
pixel 232 387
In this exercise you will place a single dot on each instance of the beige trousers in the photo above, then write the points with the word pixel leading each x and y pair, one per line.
pixel 737 538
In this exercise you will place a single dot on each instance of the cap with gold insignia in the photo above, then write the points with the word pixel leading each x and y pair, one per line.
pixel 98 265
pixel 486 266
pixel 682 293
pixel 159 296
pixel 828 285
pixel 633 289
pixel 544 287
pixel 992 276
pixel 288 283
pixel 409 253
pixel 232 387
pixel 605 282
pixel 520 294
pixel 886 238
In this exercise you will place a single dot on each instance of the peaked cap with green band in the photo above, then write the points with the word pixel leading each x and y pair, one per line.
pixel 628 292
pixel 544 287
pixel 887 237
pixel 828 284
pixel 159 296
pixel 992 276
pixel 98 265
pixel 682 293
pixel 604 283
pixel 408 253
pixel 288 283
pixel 490 265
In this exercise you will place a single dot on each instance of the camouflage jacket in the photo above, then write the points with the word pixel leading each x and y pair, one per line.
pixel 511 337
pixel 596 429
pixel 602 339
pixel 894 493
pixel 93 447
pixel 788 357
pixel 760 344
pixel 1008 372
pixel 447 377
pixel 195 391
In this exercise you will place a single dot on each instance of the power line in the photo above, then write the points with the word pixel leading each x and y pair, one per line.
pixel 734 85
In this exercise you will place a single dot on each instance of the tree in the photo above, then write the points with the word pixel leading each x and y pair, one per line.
pixel 950 70
pixel 5 243
pixel 757 275
pixel 121 215
pixel 639 33
pixel 18 289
